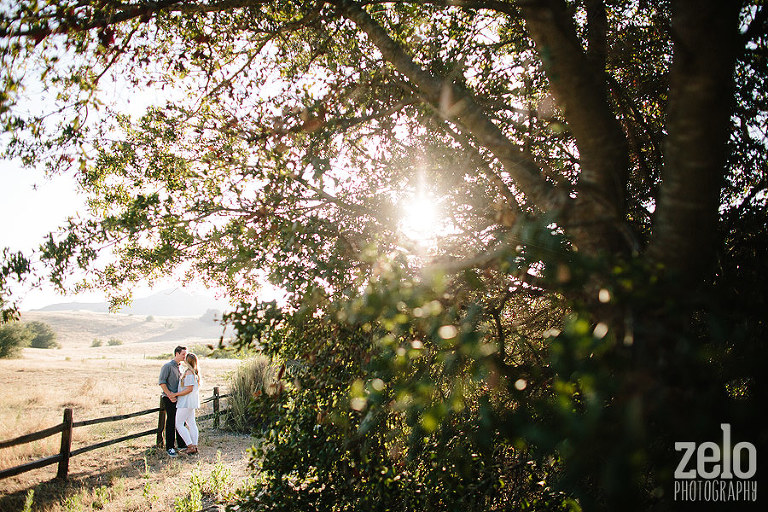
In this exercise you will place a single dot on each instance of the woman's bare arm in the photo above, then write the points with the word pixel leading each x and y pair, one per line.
pixel 187 389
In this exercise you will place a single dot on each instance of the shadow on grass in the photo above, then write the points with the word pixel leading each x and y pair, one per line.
pixel 86 482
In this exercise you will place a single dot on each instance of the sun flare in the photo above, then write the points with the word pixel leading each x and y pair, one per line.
pixel 420 218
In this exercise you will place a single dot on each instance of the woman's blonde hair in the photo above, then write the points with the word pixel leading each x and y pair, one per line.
pixel 192 364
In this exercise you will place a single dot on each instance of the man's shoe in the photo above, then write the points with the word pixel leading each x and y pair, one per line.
pixel 172 452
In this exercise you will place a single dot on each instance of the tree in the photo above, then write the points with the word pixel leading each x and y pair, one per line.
pixel 13 337
pixel 598 166
pixel 42 335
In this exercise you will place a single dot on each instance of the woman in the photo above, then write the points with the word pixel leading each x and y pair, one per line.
pixel 188 399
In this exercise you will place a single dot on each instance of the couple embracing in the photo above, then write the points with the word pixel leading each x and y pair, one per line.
pixel 180 398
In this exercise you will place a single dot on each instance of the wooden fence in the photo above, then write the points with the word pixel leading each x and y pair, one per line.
pixel 67 425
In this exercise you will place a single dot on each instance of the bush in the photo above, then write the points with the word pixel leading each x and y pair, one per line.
pixel 201 350
pixel 97 342
pixel 114 342
pixel 342 431
pixel 43 335
pixel 13 337
pixel 252 377
pixel 213 352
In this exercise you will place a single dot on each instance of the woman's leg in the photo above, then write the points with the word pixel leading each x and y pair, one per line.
pixel 182 416
pixel 192 424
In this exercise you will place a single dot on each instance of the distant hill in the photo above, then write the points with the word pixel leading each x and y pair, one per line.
pixel 78 329
pixel 175 302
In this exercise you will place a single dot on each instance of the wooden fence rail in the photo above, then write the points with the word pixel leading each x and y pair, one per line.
pixel 67 425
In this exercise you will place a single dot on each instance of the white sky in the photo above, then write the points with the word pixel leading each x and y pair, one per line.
pixel 31 206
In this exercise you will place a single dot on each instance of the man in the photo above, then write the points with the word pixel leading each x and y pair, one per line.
pixel 169 382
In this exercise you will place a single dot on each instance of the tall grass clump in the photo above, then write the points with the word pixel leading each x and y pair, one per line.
pixel 252 377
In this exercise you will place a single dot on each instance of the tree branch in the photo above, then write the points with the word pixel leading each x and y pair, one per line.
pixel 597 28
pixel 511 207
pixel 72 23
pixel 509 8
pixel 460 107
pixel 578 85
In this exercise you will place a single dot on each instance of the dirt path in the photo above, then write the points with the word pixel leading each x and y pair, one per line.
pixel 133 476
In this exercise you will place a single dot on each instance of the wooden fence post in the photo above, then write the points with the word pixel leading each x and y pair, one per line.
pixel 66 445
pixel 66 427
pixel 216 407
pixel 160 424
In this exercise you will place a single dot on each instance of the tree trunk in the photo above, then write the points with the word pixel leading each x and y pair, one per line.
pixel 698 119
pixel 578 83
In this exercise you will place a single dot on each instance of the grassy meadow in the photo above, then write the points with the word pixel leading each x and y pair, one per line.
pixel 107 365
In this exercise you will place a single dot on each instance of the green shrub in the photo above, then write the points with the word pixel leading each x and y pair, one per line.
pixel 114 342
pixel 43 335
pixel 214 352
pixel 201 350
pixel 97 342
pixel 161 357
pixel 220 483
pixel 13 337
pixel 342 430
pixel 217 488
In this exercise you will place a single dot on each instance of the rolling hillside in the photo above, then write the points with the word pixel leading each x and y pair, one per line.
pixel 78 329
pixel 171 302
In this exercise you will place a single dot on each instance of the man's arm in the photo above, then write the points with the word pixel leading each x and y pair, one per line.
pixel 171 396
pixel 163 382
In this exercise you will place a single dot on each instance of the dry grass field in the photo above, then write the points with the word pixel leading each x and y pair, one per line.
pixel 106 380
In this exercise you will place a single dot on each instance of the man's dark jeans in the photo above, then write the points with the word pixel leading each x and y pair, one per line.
pixel 170 425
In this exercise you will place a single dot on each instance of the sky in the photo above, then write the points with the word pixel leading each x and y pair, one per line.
pixel 31 206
